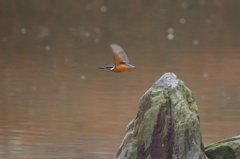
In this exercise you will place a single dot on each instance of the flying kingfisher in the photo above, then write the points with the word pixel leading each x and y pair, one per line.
pixel 120 59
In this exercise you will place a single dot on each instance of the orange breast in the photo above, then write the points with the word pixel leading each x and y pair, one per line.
pixel 121 68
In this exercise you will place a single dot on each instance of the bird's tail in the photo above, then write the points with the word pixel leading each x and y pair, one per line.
pixel 131 65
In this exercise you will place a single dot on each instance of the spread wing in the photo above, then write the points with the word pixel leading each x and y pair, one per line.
pixel 119 54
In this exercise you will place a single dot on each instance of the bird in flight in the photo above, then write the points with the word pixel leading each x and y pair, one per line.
pixel 120 59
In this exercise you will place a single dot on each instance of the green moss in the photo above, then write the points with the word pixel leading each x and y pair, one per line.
pixel 223 141
pixel 225 149
pixel 221 152
pixel 166 123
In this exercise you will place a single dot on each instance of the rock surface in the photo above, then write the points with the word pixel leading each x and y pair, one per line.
pixel 225 149
pixel 166 126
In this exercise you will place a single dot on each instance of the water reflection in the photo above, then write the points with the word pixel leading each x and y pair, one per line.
pixel 55 103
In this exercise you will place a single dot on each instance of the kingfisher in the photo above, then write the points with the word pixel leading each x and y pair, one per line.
pixel 120 59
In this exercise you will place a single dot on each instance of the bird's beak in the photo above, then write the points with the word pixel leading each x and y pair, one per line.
pixel 101 67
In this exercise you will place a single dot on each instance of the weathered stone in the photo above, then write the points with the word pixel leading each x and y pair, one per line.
pixel 225 149
pixel 166 126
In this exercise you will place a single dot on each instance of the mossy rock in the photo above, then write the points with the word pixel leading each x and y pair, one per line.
pixel 225 149
pixel 166 126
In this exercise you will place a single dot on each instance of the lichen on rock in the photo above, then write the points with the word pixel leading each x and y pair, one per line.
pixel 225 149
pixel 166 126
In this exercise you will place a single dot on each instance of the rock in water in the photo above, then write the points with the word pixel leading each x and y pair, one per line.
pixel 166 126
pixel 225 149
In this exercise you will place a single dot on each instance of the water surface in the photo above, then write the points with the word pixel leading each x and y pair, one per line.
pixel 55 103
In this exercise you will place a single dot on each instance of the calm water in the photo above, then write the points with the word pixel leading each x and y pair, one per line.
pixel 55 103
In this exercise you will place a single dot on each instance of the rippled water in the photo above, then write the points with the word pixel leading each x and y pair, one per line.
pixel 55 103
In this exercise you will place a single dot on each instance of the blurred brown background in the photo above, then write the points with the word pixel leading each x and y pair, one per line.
pixel 55 103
